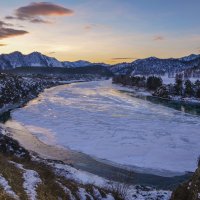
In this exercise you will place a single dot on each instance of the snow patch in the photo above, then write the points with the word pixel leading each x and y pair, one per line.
pixel 83 195
pixel 67 191
pixel 31 181
pixel 79 175
pixel 147 193
pixel 7 188
pixel 133 192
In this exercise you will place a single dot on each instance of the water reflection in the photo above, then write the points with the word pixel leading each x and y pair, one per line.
pixel 185 107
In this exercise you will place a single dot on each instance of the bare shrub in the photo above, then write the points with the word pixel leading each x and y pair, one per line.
pixel 120 189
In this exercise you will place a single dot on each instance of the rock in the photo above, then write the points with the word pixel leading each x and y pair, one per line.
pixel 162 92
pixel 189 190
pixel 10 146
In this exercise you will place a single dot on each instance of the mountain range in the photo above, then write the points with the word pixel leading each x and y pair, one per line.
pixel 36 59
pixel 151 65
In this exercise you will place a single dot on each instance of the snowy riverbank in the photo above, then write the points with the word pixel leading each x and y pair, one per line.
pixel 99 188
pixel 113 126
pixel 80 176
pixel 171 89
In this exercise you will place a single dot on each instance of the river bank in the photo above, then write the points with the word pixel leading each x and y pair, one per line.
pixel 98 167
pixel 16 92
pixel 182 91
pixel 52 102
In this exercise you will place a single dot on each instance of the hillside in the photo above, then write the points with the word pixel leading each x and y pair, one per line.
pixel 158 66
pixel 189 190
pixel 64 73
pixel 27 177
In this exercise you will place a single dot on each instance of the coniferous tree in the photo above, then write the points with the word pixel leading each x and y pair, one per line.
pixel 189 91
pixel 153 82
pixel 197 89
pixel 179 85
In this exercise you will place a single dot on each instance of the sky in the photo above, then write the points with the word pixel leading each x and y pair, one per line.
pixel 110 31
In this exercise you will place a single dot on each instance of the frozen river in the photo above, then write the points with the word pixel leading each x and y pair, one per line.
pixel 100 120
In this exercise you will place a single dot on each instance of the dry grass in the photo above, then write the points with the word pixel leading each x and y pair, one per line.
pixel 13 175
pixel 50 188
pixel 4 196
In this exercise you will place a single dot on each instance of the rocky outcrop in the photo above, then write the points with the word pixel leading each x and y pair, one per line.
pixel 162 92
pixel 18 90
pixel 10 147
pixel 189 190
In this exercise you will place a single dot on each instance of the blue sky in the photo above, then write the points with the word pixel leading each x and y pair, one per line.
pixel 103 30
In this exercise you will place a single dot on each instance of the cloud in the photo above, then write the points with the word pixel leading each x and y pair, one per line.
pixel 158 38
pixel 52 52
pixel 88 27
pixel 2 23
pixel 34 11
pixel 38 20
pixel 9 32
pixel 9 17
pixel 124 58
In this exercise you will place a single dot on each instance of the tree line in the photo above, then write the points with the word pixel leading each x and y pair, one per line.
pixel 182 87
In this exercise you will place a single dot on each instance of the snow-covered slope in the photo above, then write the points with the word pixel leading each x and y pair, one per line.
pixel 155 65
pixel 17 59
pixel 12 60
pixel 190 57
pixel 36 59
pixel 79 63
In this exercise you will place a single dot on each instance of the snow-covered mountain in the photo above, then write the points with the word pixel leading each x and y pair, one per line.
pixel 151 65
pixel 155 65
pixel 190 57
pixel 78 63
pixel 36 59
pixel 81 63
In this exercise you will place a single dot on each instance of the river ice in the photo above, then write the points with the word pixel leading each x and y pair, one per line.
pixel 97 118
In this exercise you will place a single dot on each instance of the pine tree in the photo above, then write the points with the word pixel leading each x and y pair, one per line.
pixel 197 89
pixel 179 85
pixel 189 91
pixel 154 82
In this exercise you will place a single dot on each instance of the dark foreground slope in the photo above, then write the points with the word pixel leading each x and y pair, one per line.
pixel 189 190
pixel 24 177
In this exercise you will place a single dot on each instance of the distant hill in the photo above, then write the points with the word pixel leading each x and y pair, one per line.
pixel 159 66
pixel 36 59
